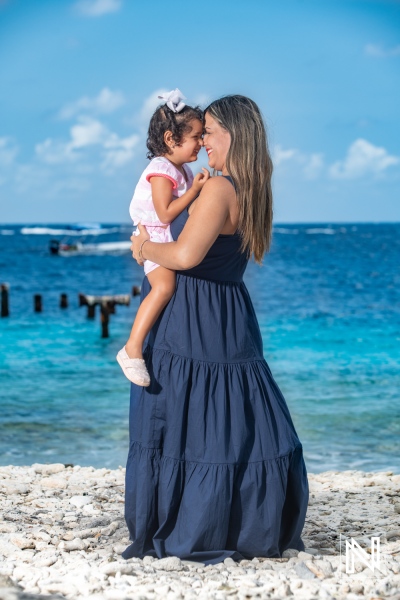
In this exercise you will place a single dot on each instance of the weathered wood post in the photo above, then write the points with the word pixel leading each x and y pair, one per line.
pixel 63 301
pixel 91 308
pixel 37 303
pixel 135 291
pixel 4 310
pixel 107 307
pixel 104 317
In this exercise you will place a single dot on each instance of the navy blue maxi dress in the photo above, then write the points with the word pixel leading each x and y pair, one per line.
pixel 215 466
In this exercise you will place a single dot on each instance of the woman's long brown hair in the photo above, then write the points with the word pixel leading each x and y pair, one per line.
pixel 249 164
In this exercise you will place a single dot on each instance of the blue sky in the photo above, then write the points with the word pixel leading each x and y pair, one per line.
pixel 79 80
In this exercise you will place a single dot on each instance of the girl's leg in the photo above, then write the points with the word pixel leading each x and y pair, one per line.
pixel 162 283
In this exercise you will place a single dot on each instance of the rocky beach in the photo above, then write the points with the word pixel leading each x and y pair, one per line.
pixel 63 531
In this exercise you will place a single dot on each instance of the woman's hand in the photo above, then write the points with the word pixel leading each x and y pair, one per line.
pixel 137 241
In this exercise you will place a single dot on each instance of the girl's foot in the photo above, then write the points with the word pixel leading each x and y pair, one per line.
pixel 134 369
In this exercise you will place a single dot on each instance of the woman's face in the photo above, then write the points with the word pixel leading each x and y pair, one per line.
pixel 217 141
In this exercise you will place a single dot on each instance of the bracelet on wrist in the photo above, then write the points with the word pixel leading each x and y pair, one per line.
pixel 140 250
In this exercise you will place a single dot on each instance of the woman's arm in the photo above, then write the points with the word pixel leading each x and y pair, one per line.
pixel 168 208
pixel 200 232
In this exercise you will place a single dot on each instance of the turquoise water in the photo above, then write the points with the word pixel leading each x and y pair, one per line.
pixel 328 304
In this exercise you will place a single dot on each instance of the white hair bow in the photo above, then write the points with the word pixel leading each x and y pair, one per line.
pixel 174 100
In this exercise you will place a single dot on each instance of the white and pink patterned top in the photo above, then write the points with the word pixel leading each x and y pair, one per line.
pixel 142 208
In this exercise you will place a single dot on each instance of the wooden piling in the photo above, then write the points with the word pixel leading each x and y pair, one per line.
pixel 135 291
pixel 4 309
pixel 63 301
pixel 82 300
pixel 107 307
pixel 37 303
pixel 105 318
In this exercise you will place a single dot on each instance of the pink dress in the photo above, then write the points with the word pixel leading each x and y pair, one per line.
pixel 142 208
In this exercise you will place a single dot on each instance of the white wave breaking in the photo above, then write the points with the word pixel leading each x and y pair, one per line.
pixel 76 232
pixel 285 231
pixel 325 231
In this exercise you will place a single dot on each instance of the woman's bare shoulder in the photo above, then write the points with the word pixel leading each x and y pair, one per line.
pixel 217 185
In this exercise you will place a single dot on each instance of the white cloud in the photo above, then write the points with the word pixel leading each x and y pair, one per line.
pixel 106 102
pixel 97 8
pixel 363 158
pixel 279 155
pixel 311 164
pixel 379 52
pixel 8 151
pixel 88 132
pixel 118 151
pixel 55 152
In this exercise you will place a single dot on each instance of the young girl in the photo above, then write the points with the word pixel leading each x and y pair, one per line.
pixel 165 188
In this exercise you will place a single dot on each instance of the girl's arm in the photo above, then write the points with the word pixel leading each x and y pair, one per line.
pixel 168 208
pixel 200 232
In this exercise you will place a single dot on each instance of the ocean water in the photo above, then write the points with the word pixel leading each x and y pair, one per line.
pixel 328 303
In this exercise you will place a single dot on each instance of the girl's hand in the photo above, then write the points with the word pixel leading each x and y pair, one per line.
pixel 137 241
pixel 200 179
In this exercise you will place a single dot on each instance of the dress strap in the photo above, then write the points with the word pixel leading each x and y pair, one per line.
pixel 230 179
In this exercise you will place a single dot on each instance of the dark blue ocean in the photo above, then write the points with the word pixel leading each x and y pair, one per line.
pixel 328 303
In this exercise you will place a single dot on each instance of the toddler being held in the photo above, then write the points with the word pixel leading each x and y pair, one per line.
pixel 165 188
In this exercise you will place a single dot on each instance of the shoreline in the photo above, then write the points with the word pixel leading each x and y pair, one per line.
pixel 55 520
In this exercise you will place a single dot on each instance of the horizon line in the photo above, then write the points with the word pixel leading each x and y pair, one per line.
pixel 276 223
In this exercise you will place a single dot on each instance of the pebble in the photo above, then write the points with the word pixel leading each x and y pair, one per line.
pixel 320 568
pixel 53 483
pixel 291 552
pixel 118 567
pixel 305 555
pixel 303 571
pixel 80 501
pixel 46 561
pixel 170 563
pixel 75 544
pixel 13 487
pixel 22 542
pixel 48 469
pixel 393 534
pixel 119 548
pixel 57 543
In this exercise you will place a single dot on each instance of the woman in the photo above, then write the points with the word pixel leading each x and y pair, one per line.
pixel 215 466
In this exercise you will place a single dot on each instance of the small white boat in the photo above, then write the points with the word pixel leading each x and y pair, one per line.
pixel 79 249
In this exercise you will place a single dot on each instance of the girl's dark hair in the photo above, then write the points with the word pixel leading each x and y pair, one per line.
pixel 164 119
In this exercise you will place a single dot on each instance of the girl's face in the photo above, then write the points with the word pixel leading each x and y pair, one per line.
pixel 190 146
pixel 217 141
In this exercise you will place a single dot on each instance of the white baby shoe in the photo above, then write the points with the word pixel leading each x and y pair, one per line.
pixel 134 368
